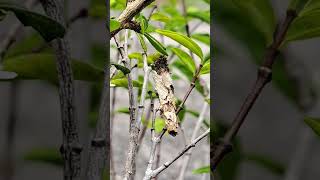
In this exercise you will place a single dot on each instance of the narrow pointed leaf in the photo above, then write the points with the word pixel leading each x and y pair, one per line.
pixel 183 40
pixel 114 24
pixel 202 170
pixel 156 44
pixel 44 155
pixel 206 68
pixel 122 68
pixel 314 124
pixel 185 58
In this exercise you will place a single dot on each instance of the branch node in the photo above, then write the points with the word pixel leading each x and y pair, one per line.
pixel 265 72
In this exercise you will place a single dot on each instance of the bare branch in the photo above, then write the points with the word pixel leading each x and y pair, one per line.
pixel 154 173
pixel 194 135
pixel 71 147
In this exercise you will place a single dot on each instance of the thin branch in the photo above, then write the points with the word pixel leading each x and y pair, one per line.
pixel 157 171
pixel 71 147
pixel 184 12
pixel 134 129
pixel 223 146
pixel 192 85
pixel 194 135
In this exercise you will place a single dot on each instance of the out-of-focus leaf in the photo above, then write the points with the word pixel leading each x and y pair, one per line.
pixel 158 16
pixel 43 67
pixel 47 27
pixel 197 114
pixel 185 58
pixel 208 100
pixel 202 37
pixel 260 12
pixel 267 163
pixel 117 4
pixel 44 155
pixel 114 24
pixel 233 22
pixel 124 110
pixel 2 14
pixel 99 54
pixel 122 68
pixel 97 9
pixel 156 44
pixel 199 14
pixel 183 40
pixel 297 5
pixel 27 45
pixel 182 113
pixel 123 82
pixel 305 26
pixel 205 69
pixel 314 124
pixel 202 170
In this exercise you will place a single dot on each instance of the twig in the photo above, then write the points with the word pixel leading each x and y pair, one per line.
pixel 192 85
pixel 194 135
pixel 134 129
pixel 223 146
pixel 71 147
pixel 157 171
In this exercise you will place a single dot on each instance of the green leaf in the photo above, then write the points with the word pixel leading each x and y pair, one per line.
pixel 260 12
pixel 185 58
pixel 114 24
pixel 124 110
pixel 183 40
pixel 97 9
pixel 267 163
pixel 314 124
pixel 142 42
pixel 143 23
pixel 197 114
pixel 44 155
pixel 28 45
pixel 122 68
pixel 205 69
pixel 43 67
pixel 123 82
pixel 47 27
pixel 202 37
pixel 156 44
pixel 297 5
pixel 199 14
pixel 304 27
pixel 202 170
pixel 158 16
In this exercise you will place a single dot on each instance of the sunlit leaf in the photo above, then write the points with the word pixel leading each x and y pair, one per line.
pixel 202 37
pixel 183 40
pixel 158 16
pixel 199 14
pixel 114 24
pixel 205 69
pixel 202 170
pixel 185 58
pixel 123 82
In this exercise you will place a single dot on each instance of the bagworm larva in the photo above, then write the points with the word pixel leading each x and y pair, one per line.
pixel 164 87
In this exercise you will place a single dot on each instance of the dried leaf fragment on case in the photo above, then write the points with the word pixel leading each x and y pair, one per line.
pixel 164 87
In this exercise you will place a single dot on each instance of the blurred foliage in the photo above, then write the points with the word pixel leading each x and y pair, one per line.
pixel 44 155
pixel 47 27
pixel 314 124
